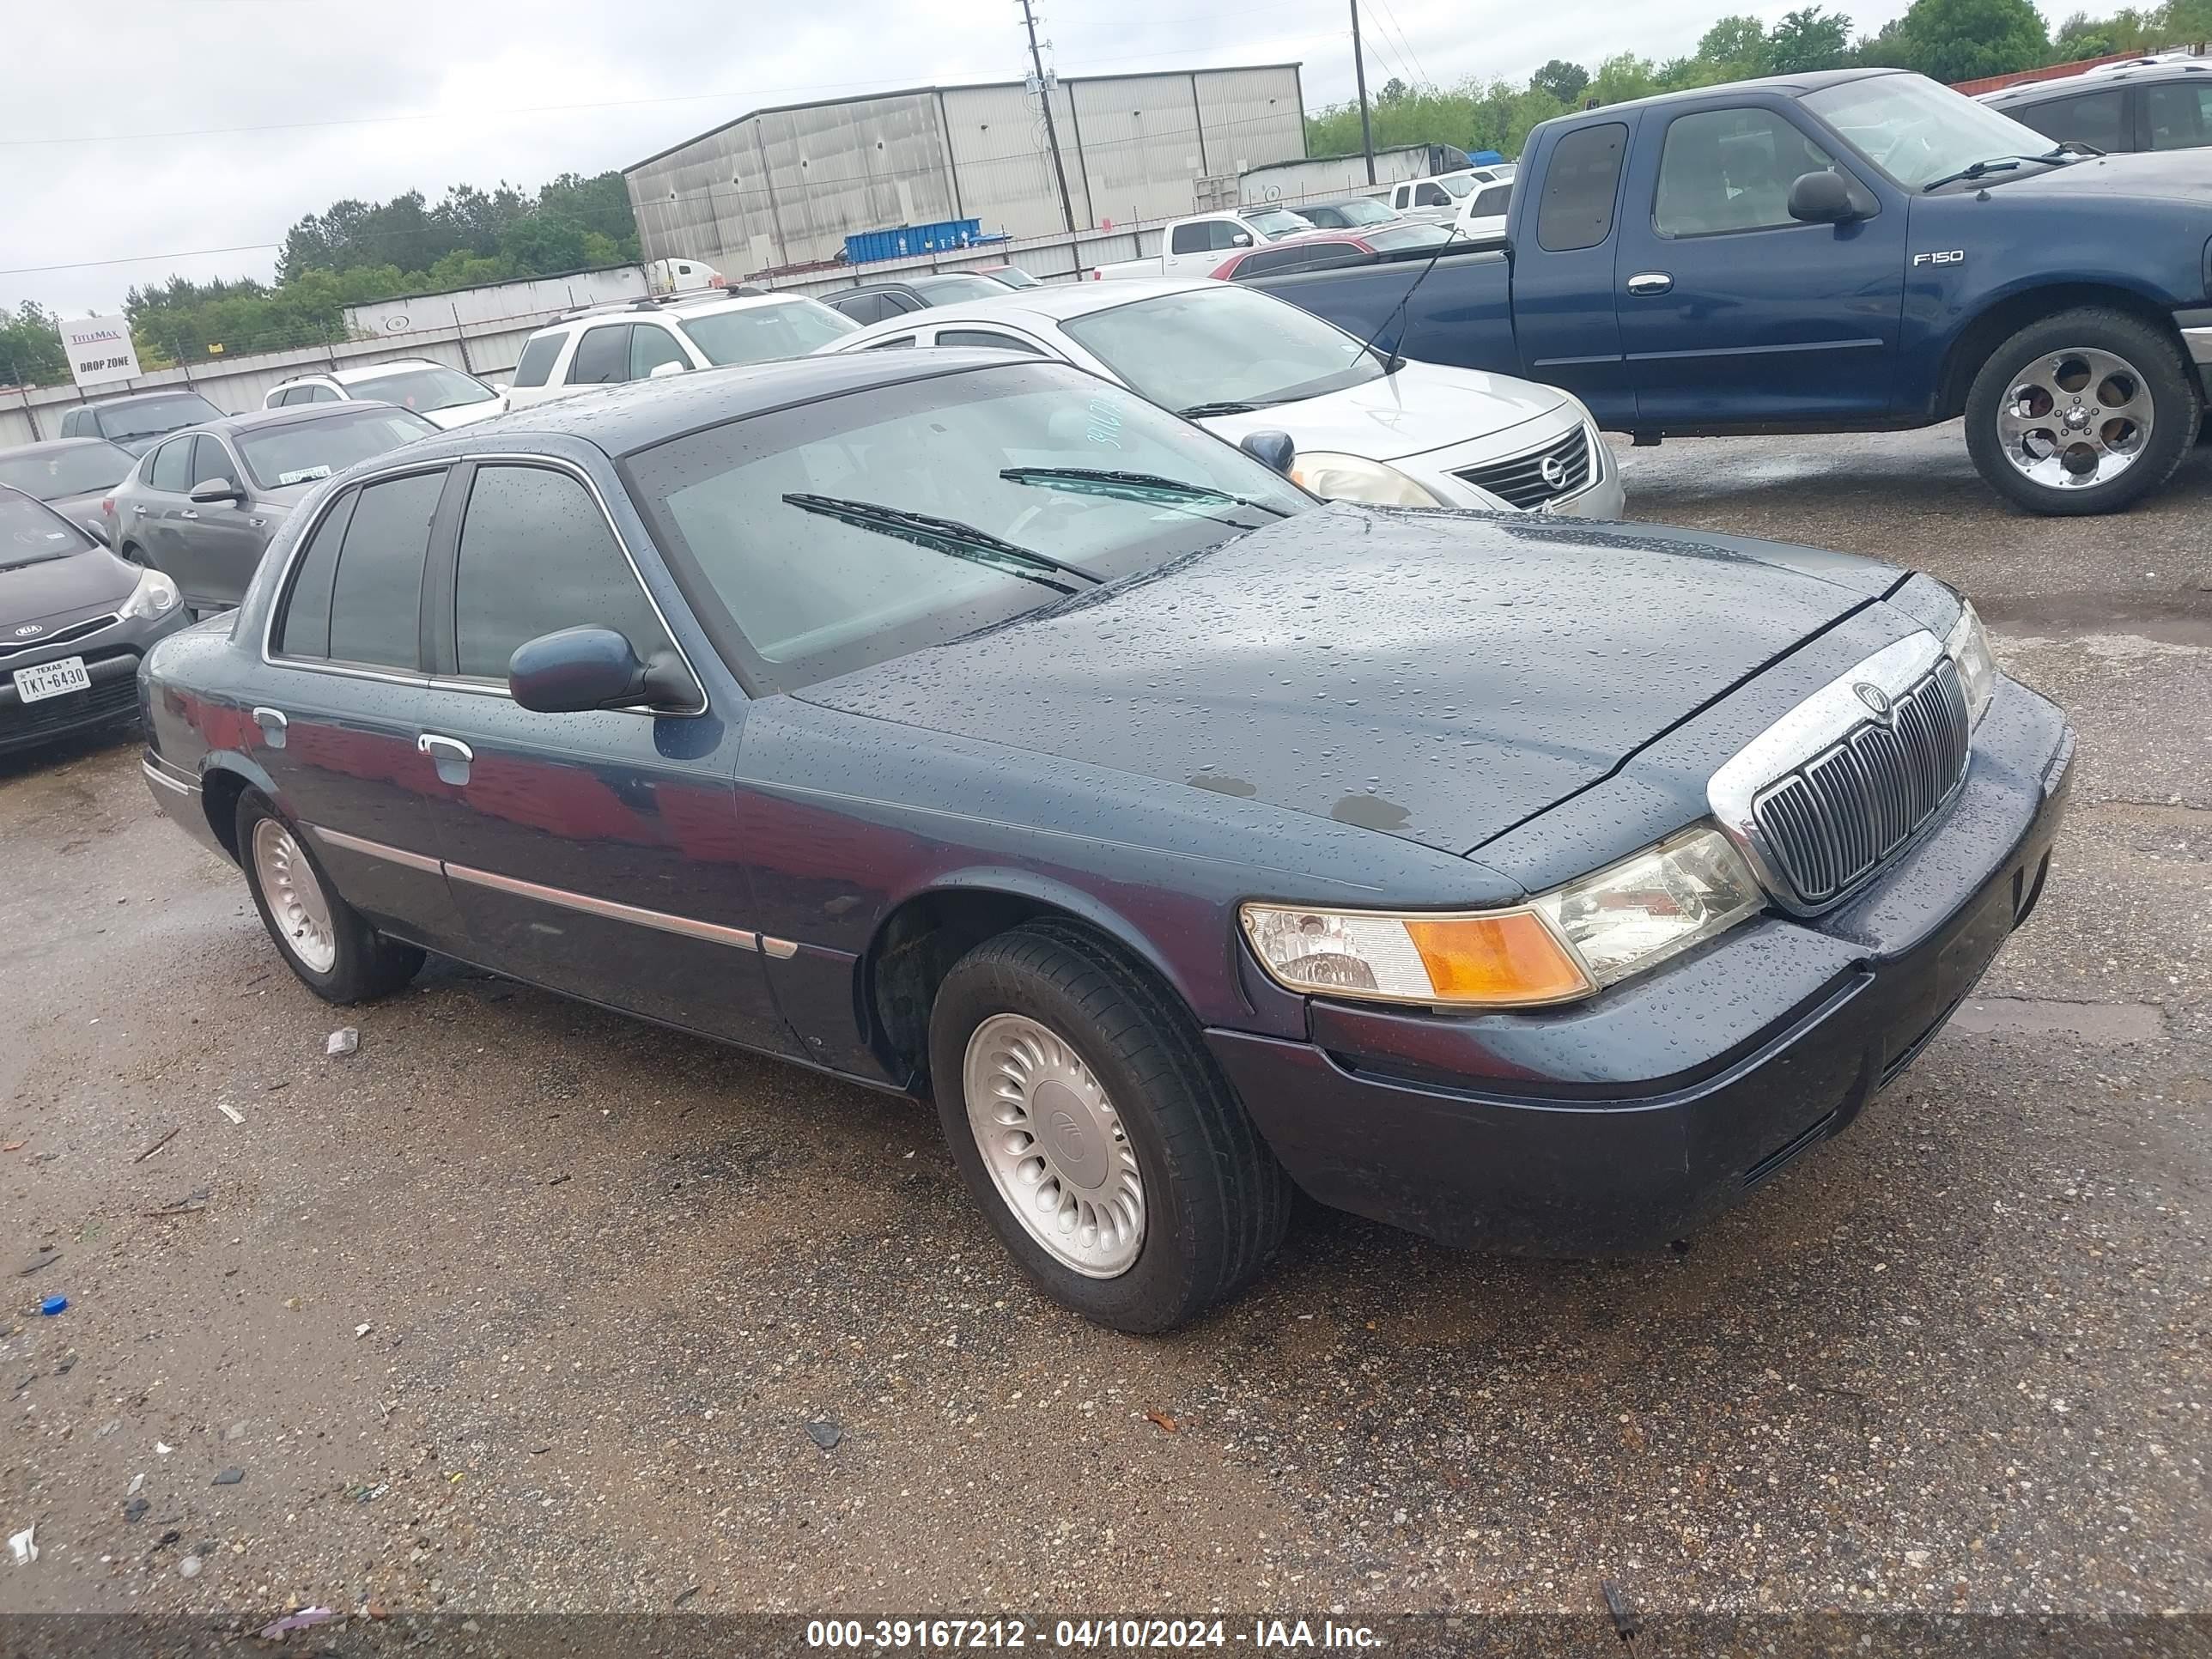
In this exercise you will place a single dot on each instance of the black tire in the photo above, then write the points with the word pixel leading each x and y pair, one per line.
pixel 365 964
pixel 2177 408
pixel 1216 1202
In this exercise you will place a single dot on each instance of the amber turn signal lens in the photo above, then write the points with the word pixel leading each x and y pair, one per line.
pixel 1502 959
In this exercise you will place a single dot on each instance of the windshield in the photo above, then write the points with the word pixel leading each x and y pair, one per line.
pixel 1915 132
pixel 72 470
pixel 952 288
pixel 759 334
pixel 1222 344
pixel 1457 185
pixel 1402 239
pixel 423 389
pixel 1363 210
pixel 149 417
pixel 1275 222
pixel 799 592
pixel 301 452
pixel 31 534
pixel 1013 276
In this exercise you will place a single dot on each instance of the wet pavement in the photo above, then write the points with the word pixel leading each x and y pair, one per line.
pixel 525 1306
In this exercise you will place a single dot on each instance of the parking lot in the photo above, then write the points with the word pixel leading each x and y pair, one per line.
pixel 522 1306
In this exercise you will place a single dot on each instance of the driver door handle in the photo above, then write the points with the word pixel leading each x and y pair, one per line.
pixel 1650 281
pixel 449 755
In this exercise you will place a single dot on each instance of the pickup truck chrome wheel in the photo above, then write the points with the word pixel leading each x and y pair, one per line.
pixel 1054 1145
pixel 296 901
pixel 2075 418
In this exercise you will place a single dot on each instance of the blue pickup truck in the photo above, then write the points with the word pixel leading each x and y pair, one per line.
pixel 1855 250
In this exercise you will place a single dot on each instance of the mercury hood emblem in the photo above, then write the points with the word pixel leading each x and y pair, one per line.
pixel 1874 697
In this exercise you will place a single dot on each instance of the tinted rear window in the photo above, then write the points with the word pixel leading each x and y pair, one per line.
pixel 376 599
pixel 302 451
pixel 1576 210
pixel 602 356
pixel 148 417
pixel 537 360
pixel 306 628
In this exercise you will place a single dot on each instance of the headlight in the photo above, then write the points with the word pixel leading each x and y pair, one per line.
pixel 154 596
pixel 1968 647
pixel 1568 943
pixel 1355 478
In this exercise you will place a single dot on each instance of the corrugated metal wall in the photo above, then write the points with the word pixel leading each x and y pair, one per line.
pixel 786 187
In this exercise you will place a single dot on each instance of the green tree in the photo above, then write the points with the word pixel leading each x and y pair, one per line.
pixel 1623 76
pixel 31 348
pixel 1735 44
pixel 1810 39
pixel 1562 80
pixel 1965 39
pixel 1393 91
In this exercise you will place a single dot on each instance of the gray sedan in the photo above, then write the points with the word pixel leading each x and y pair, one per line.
pixel 73 476
pixel 203 504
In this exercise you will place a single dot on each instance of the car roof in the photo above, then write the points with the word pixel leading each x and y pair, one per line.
pixel 53 446
pixel 636 415
pixel 676 309
pixel 255 419
pixel 2093 80
pixel 145 396
pixel 370 371
pixel 1794 86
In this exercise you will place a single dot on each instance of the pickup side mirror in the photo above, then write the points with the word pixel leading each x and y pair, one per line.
pixel 1240 239
pixel 208 491
pixel 1271 449
pixel 1825 199
pixel 580 669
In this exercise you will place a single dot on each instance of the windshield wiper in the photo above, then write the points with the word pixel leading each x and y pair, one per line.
pixel 1129 486
pixel 2003 164
pixel 1206 411
pixel 962 541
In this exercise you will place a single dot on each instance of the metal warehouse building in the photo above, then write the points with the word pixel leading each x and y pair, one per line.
pixel 786 186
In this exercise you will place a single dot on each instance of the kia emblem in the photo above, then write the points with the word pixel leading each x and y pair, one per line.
pixel 29 630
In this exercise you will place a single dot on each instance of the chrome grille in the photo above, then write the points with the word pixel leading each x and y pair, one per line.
pixel 1521 482
pixel 1832 822
pixel 10 647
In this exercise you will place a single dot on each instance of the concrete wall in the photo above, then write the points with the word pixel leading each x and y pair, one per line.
pixel 495 302
pixel 787 187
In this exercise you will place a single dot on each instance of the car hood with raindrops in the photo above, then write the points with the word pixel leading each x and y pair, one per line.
pixel 1435 675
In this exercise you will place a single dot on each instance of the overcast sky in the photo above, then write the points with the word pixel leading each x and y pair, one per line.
pixel 373 102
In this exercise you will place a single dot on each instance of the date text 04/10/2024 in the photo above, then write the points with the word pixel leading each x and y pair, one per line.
pixel 1264 1635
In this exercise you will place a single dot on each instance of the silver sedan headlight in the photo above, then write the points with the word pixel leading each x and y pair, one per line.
pixel 1968 647
pixel 1355 478
pixel 1566 945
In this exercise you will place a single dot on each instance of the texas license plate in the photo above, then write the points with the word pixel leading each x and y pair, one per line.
pixel 53 679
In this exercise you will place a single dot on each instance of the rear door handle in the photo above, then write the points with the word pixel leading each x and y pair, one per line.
pixel 272 724
pixel 190 513
pixel 1650 281
pixel 449 755
pixel 137 510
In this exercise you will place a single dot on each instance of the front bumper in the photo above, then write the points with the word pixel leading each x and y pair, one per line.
pixel 1585 1130
pixel 1602 495
pixel 111 663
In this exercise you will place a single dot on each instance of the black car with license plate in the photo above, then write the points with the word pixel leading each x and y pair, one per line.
pixel 962 724
pixel 74 622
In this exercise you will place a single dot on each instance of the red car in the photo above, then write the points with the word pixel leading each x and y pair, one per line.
pixel 1321 249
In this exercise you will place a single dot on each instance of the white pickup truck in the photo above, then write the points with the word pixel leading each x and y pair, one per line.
pixel 1438 199
pixel 1193 246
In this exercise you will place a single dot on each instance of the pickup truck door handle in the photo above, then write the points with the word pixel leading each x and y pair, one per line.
pixel 272 724
pixel 449 755
pixel 1650 281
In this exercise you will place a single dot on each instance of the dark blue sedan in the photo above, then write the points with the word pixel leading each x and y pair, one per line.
pixel 962 725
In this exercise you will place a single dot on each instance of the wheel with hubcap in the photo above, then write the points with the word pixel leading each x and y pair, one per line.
pixel 2088 412
pixel 1106 1150
pixel 323 940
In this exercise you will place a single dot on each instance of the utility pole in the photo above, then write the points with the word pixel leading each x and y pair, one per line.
pixel 1051 134
pixel 1359 75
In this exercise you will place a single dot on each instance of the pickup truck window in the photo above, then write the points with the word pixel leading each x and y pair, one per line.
pixel 1917 132
pixel 1576 210
pixel 1205 236
pixel 1431 196
pixel 1731 169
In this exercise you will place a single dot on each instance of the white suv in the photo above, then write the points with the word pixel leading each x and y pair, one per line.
pixel 648 339
pixel 442 395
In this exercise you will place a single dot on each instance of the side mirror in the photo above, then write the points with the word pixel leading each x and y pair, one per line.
pixel 209 491
pixel 580 669
pixel 1271 449
pixel 662 371
pixel 1240 239
pixel 1824 198
pixel 98 532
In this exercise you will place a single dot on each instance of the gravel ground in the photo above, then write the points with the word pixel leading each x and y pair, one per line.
pixel 525 1307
